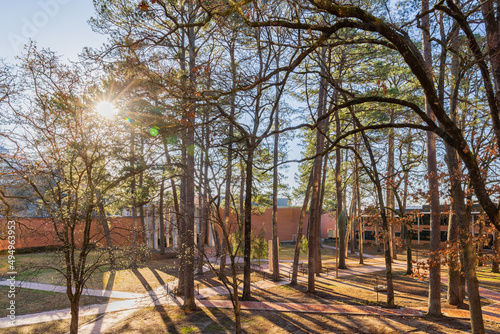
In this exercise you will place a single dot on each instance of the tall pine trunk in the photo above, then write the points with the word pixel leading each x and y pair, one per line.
pixel 133 194
pixel 495 268
pixel 161 212
pixel 434 306
pixel 303 210
pixel 390 188
pixel 177 209
pixel 341 223
pixel 203 193
pixel 385 224
pixel 189 300
pixel 315 210
pixel 229 168
pixel 375 178
pixel 408 227
pixel 247 227
pixel 275 248
pixel 358 199
pixel 319 262
pixel 141 202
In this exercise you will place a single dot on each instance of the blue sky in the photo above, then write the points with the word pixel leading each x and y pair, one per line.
pixel 60 25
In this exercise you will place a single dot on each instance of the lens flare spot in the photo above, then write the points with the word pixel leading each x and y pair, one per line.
pixel 153 131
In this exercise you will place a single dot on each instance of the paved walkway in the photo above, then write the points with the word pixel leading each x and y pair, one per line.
pixel 115 312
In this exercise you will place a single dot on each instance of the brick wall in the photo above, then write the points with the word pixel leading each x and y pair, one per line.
pixel 40 232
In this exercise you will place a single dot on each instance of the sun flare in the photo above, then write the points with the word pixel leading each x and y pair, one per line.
pixel 106 109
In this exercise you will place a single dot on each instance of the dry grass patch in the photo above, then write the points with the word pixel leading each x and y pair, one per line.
pixel 34 301
pixel 52 327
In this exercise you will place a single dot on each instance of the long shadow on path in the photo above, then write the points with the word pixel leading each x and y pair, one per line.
pixel 98 323
pixel 169 325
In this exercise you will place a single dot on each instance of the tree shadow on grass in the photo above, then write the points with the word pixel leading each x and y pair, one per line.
pixel 169 325
pixel 98 322
pixel 221 322
pixel 333 323
pixel 307 323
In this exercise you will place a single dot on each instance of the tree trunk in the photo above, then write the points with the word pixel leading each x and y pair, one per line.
pixel 319 262
pixel 203 193
pixel 295 267
pixel 338 185
pixel 408 227
pixel 358 198
pixel 247 241
pixel 434 307
pixel 353 222
pixel 492 27
pixel 495 268
pixel 390 188
pixel 315 210
pixel 189 300
pixel 229 168
pixel 133 195
pixel 242 194
pixel 385 226
pixel 409 265
pixel 181 222
pixel 237 316
pixel 311 227
pixel 172 183
pixel 480 244
pixel 275 248
pixel 141 205
pixel 476 314
pixel 314 213
pixel 453 293
pixel 75 302
pixel 161 214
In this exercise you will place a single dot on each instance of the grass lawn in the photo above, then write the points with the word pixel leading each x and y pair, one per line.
pixel 52 327
pixel 36 267
pixel 487 279
pixel 287 252
pixel 149 275
pixel 34 301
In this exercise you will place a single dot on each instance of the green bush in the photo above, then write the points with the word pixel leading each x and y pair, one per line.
pixel 259 245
